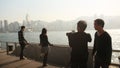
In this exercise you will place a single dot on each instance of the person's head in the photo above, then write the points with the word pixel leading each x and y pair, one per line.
pixel 81 25
pixel 44 31
pixel 22 28
pixel 98 24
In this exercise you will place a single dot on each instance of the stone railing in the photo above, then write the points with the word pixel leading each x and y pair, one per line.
pixel 58 54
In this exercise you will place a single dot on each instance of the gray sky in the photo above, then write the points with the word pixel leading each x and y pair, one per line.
pixel 51 10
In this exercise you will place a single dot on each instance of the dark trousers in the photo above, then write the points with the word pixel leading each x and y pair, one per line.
pixel 78 60
pixel 100 63
pixel 45 59
pixel 21 52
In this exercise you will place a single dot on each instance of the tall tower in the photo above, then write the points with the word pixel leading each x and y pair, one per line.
pixel 1 26
pixel 6 25
pixel 27 21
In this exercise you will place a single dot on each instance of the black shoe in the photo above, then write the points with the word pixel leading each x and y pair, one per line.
pixel 44 65
pixel 22 58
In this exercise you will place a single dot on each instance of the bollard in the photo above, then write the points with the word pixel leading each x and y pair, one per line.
pixel 7 47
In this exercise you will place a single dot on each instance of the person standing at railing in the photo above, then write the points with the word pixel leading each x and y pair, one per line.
pixel 22 41
pixel 102 50
pixel 44 43
pixel 78 41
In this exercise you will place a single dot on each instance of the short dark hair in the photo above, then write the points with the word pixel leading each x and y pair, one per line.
pixel 22 27
pixel 82 24
pixel 100 22
pixel 44 30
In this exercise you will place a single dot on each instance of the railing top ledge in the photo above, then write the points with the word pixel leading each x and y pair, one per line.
pixel 56 45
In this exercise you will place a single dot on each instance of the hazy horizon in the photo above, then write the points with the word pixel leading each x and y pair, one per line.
pixel 51 10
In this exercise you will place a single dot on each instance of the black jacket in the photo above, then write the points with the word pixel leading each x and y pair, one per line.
pixel 103 47
pixel 79 43
pixel 44 40
pixel 21 37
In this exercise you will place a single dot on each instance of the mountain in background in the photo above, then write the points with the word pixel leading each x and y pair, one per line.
pixel 111 22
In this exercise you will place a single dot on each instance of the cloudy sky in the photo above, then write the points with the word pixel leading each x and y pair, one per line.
pixel 51 10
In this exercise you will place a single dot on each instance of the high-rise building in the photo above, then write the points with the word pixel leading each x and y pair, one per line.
pixel 28 21
pixel 0 24
pixel 1 27
pixel 5 25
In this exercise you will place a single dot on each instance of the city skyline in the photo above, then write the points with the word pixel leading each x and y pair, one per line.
pixel 111 22
pixel 51 10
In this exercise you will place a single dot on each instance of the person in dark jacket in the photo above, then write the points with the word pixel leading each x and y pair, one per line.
pixel 22 41
pixel 78 41
pixel 44 43
pixel 102 50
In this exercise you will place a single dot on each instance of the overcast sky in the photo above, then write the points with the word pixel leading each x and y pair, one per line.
pixel 51 10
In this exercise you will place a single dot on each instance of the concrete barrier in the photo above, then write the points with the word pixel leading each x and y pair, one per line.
pixel 57 55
